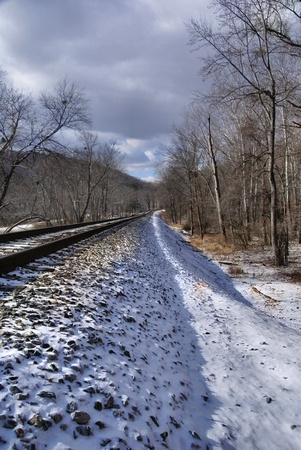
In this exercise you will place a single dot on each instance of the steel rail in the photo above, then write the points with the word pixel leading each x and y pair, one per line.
pixel 11 262
pixel 14 235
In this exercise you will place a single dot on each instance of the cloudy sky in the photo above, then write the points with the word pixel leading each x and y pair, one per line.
pixel 131 56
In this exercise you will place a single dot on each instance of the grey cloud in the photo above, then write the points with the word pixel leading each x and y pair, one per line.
pixel 130 55
pixel 134 113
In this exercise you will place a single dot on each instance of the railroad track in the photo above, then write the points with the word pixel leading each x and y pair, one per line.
pixel 21 240
pixel 17 252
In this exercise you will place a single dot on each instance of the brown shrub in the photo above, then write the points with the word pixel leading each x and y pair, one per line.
pixel 294 276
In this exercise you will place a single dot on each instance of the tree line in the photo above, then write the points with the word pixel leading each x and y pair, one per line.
pixel 44 178
pixel 234 163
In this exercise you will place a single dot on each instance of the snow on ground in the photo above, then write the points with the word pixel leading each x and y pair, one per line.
pixel 22 227
pixel 139 341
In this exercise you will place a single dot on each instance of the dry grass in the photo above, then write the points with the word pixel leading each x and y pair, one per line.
pixel 235 270
pixel 177 226
pixel 213 244
pixel 294 276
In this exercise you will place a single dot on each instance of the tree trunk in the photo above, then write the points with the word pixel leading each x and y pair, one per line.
pixel 279 238
pixel 198 209
pixel 191 218
pixel 273 212
pixel 246 214
pixel 286 174
pixel 216 184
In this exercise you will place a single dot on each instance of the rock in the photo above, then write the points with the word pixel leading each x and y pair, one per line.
pixel 77 368
pixel 111 403
pixel 90 390
pixel 80 417
pixel 52 368
pixel 70 377
pixel 183 397
pixel 95 340
pixel 164 435
pixel 84 431
pixel 269 400
pixel 136 410
pixel 195 435
pixel 129 319
pixel 10 424
pixel 73 345
pixel 98 406
pixel 27 353
pixel 22 396
pixel 71 407
pixel 21 418
pixel 155 420
pixel 20 433
pixel 56 417
pixel 46 424
pixel 52 356
pixel 174 422
pixel 36 421
pixel 47 394
pixel 105 442
pixel 15 390
pixel 100 424
pixel 9 366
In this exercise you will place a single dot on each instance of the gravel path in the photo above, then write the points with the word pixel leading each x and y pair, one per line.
pixel 101 335
pixel 137 341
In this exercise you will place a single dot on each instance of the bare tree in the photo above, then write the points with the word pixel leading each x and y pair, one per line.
pixel 16 117
pixel 86 172
pixel 183 157
pixel 246 54
pixel 27 128
pixel 287 24
pixel 217 188
pixel 171 193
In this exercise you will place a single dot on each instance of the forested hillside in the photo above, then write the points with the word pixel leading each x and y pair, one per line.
pixel 44 177
pixel 76 187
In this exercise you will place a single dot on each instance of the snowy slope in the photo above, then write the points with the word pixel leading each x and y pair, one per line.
pixel 138 341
